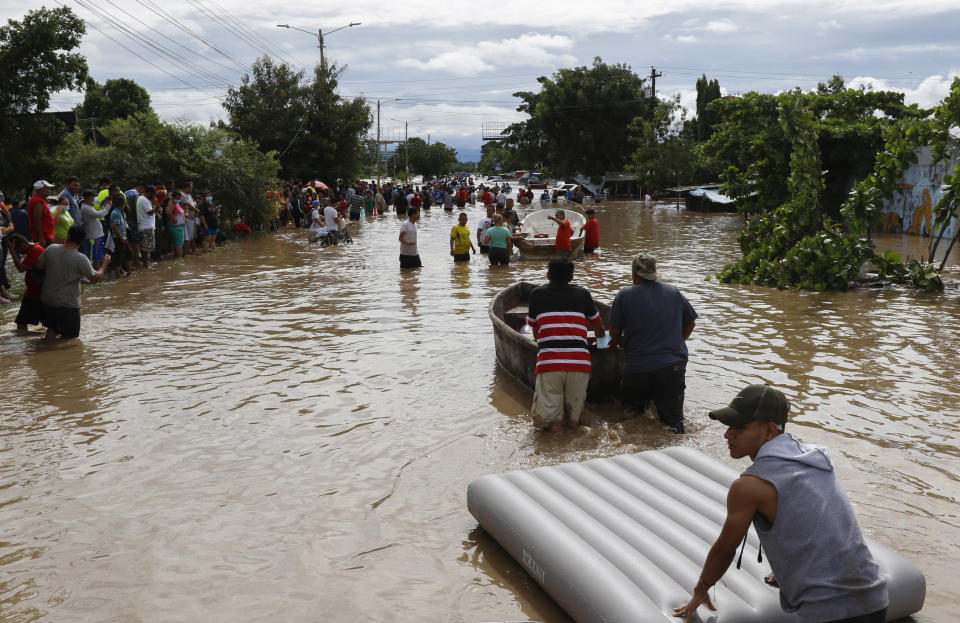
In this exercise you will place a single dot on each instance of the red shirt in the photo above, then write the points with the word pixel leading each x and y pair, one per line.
pixel 416 202
pixel 46 219
pixel 29 261
pixel 563 236
pixel 486 198
pixel 592 229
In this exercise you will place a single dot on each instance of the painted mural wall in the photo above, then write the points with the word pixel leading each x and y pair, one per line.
pixel 910 210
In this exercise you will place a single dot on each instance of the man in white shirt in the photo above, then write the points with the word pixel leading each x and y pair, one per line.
pixel 147 223
pixel 482 228
pixel 409 255
pixel 331 220
pixel 316 229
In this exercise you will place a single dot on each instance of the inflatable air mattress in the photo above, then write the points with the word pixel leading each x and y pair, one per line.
pixel 623 539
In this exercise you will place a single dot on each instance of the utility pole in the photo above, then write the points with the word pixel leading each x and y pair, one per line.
pixel 93 128
pixel 323 61
pixel 378 144
pixel 406 147
pixel 653 83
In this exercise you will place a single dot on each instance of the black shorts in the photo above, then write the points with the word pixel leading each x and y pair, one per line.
pixel 587 249
pixel 498 256
pixel 410 261
pixel 484 248
pixel 461 257
pixel 62 320
pixel 31 312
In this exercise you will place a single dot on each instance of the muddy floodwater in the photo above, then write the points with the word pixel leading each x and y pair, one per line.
pixel 284 432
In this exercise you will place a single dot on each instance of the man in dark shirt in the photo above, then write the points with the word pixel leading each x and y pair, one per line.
pixel 652 321
pixel 558 314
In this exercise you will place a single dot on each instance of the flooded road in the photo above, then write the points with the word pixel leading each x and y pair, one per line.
pixel 285 432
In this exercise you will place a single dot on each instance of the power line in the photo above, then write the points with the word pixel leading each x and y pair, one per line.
pixel 152 6
pixel 159 45
pixel 266 42
pixel 146 41
pixel 232 28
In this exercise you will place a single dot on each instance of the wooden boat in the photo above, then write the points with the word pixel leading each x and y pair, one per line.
pixel 541 233
pixel 517 351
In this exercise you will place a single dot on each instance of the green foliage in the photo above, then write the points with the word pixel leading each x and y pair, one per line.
pixel 665 154
pixel 577 119
pixel 945 125
pixel 427 160
pixel 237 172
pixel 143 149
pixel 493 153
pixel 315 131
pixel 707 118
pixel 809 220
pixel 115 99
pixel 36 60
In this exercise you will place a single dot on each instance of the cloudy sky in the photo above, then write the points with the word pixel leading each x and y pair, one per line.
pixel 447 67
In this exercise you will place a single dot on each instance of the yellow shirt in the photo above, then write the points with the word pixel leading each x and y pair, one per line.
pixel 461 239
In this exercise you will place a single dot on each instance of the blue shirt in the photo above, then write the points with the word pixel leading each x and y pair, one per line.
pixel 21 222
pixel 652 316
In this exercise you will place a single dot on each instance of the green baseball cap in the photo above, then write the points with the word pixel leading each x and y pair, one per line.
pixel 754 403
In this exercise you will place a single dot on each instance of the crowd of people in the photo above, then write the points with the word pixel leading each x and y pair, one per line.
pixel 790 494
pixel 117 231
pixel 61 240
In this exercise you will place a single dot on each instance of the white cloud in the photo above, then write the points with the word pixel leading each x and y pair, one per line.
pixel 527 50
pixel 829 25
pixel 462 62
pixel 927 94
pixel 680 38
pixel 721 26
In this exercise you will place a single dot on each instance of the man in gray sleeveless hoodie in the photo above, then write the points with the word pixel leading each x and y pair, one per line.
pixel 806 524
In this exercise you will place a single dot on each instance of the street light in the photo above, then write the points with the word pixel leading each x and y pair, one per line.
pixel 406 145
pixel 323 61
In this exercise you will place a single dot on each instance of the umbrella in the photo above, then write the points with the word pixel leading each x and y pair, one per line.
pixel 320 185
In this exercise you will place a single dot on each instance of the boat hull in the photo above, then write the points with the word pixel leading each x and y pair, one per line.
pixel 517 352
pixel 546 247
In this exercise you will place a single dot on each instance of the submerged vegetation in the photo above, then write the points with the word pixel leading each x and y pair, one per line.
pixel 810 170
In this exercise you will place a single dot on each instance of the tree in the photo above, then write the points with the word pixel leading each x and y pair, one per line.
pixel 494 154
pixel 237 172
pixel 36 59
pixel 816 168
pixel 270 107
pixel 577 120
pixel 707 118
pixel 430 160
pixel 666 154
pixel 335 128
pixel 115 99
pixel 143 149
pixel 315 131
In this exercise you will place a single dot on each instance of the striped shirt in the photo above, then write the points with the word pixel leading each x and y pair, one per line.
pixel 560 314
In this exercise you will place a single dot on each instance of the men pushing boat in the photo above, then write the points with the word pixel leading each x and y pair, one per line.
pixel 559 313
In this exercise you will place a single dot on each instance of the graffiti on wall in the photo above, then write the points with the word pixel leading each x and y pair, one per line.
pixel 910 210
